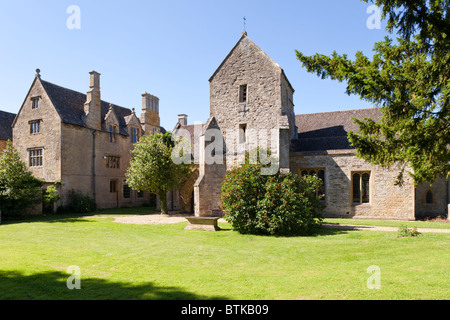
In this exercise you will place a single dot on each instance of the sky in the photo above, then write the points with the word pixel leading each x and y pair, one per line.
pixel 171 48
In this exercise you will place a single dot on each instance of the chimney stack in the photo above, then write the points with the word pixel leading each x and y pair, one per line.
pixel 150 113
pixel 92 106
pixel 182 119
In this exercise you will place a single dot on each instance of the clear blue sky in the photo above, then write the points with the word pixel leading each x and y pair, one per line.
pixel 171 48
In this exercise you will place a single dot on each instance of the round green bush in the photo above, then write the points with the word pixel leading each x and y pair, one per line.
pixel 281 204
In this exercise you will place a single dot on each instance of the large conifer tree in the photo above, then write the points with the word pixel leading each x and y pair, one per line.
pixel 409 78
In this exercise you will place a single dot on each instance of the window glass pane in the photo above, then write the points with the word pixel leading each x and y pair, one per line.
pixel 304 173
pixel 356 188
pixel 429 197
pixel 126 191
pixel 365 187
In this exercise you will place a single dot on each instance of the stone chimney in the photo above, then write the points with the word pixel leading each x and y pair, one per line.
pixel 150 113
pixel 182 119
pixel 92 106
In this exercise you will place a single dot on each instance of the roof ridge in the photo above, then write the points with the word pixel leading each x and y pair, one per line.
pixel 84 94
pixel 339 111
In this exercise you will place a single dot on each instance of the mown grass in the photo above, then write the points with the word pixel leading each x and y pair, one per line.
pixel 124 261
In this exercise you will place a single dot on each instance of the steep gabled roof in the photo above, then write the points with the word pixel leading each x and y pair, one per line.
pixel 70 106
pixel 6 121
pixel 328 130
pixel 245 37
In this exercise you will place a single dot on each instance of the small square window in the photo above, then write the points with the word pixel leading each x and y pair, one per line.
pixel 35 127
pixel 35 158
pixel 112 162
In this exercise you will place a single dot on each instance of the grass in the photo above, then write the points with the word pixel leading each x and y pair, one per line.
pixel 392 223
pixel 124 261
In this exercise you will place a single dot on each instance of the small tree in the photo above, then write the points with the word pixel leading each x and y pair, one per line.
pixel 152 169
pixel 19 189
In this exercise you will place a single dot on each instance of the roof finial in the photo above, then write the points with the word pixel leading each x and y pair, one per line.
pixel 38 71
pixel 245 26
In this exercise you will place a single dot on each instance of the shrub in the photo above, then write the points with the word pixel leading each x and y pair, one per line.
pixel 282 204
pixel 51 195
pixel 404 232
pixel 19 189
pixel 78 203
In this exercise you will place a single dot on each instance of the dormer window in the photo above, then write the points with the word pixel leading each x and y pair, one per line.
pixel 35 102
pixel 112 133
pixel 134 134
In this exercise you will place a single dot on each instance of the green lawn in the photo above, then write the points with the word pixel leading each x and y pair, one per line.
pixel 122 261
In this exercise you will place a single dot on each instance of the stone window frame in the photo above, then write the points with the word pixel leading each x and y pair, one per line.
pixel 126 190
pixel 35 126
pixel 309 171
pixel 369 188
pixel 36 157
pixel 243 93
pixel 134 134
pixel 35 102
pixel 113 186
pixel 112 161
pixel 112 129
pixel 243 129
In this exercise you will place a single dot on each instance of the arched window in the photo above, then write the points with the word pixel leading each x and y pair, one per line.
pixel 361 187
pixel 429 197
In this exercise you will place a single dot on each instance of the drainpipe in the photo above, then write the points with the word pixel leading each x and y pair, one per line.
pixel 94 132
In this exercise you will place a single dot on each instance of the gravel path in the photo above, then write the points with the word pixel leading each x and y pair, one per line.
pixel 178 217
pixel 375 228
pixel 152 219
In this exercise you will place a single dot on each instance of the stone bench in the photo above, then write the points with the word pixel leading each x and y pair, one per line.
pixel 202 223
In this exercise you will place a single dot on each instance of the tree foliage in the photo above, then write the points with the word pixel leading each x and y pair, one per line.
pixel 280 204
pixel 409 79
pixel 152 168
pixel 19 189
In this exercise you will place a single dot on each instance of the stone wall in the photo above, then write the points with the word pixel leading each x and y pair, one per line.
pixel 2 145
pixel 439 197
pixel 78 170
pixel 262 119
pixel 387 201
pixel 48 138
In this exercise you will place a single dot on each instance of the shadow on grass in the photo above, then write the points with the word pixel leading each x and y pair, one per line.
pixel 53 286
pixel 78 217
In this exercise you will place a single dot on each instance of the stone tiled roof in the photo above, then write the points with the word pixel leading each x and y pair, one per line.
pixel 70 106
pixel 328 130
pixel 6 120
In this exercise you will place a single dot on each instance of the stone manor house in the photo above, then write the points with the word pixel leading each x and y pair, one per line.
pixel 84 143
